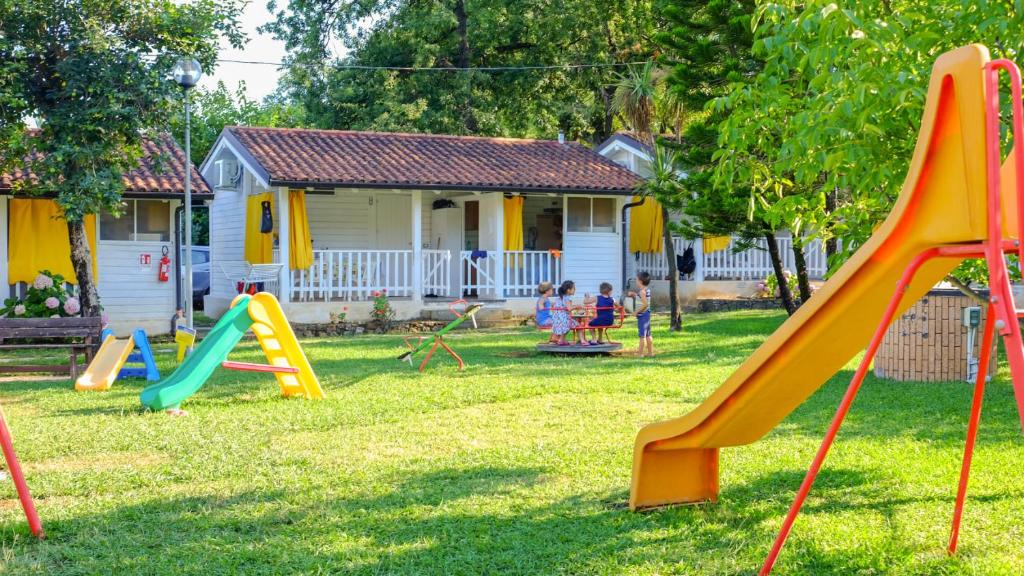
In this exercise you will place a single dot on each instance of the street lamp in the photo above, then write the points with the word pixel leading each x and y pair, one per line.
pixel 187 73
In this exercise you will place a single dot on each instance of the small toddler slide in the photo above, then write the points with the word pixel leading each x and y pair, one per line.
pixel 104 368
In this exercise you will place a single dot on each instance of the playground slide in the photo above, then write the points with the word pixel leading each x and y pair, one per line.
pixel 198 366
pixel 104 368
pixel 281 348
pixel 943 201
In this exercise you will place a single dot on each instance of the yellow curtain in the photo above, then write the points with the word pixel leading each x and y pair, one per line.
pixel 38 240
pixel 646 227
pixel 259 247
pixel 716 243
pixel 514 223
pixel 300 249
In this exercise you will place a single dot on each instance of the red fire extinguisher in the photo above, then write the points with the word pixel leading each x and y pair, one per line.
pixel 164 271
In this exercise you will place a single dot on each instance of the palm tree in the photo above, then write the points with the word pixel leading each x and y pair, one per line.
pixel 636 98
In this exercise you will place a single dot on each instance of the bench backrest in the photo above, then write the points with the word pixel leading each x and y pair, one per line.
pixel 50 327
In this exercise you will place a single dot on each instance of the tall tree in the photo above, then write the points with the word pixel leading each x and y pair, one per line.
pixel 456 41
pixel 635 99
pixel 96 76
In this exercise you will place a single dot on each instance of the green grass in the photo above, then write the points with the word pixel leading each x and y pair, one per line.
pixel 518 465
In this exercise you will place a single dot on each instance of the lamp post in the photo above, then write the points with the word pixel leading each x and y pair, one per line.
pixel 187 73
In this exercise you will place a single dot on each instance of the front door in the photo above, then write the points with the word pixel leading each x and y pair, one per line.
pixel 394 222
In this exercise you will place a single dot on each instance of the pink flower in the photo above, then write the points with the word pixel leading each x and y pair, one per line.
pixel 384 291
pixel 104 318
pixel 72 306
pixel 375 294
pixel 19 309
pixel 42 282
pixel 52 303
pixel 344 308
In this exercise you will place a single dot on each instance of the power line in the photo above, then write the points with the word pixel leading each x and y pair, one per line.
pixel 438 68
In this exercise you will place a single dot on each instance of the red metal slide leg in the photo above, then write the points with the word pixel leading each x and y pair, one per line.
pixel 34 525
pixel 972 427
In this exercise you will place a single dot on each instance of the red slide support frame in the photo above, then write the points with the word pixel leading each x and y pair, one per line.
pixel 14 467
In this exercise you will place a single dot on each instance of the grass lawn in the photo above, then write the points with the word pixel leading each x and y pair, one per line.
pixel 519 465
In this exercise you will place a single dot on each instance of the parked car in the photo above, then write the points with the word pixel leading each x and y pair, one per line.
pixel 200 274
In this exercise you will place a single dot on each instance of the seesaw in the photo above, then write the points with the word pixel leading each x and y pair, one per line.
pixel 436 340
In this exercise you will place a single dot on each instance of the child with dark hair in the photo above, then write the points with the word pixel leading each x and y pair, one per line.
pixel 605 315
pixel 643 315
pixel 562 321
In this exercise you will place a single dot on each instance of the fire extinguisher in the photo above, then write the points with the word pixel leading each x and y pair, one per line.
pixel 164 271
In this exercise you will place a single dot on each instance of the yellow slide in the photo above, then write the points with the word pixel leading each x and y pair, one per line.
pixel 282 349
pixel 943 201
pixel 107 364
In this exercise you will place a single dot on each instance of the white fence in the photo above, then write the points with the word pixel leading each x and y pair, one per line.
pixel 353 275
pixel 437 272
pixel 751 264
pixel 478 272
pixel 524 270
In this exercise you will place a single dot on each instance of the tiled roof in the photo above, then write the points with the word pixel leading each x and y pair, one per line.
pixel 335 158
pixel 160 172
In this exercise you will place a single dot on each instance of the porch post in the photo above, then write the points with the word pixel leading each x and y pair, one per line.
pixel 284 241
pixel 4 226
pixel 499 232
pixel 417 244
pixel 698 254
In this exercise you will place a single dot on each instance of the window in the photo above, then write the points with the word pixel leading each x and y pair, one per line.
pixel 200 256
pixel 590 214
pixel 140 220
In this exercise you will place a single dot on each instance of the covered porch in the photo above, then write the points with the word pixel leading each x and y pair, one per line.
pixel 346 245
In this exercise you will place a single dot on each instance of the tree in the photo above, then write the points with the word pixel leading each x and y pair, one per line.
pixel 708 47
pixel 635 99
pixel 454 41
pixel 96 76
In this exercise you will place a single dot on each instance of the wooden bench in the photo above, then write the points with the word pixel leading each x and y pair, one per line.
pixel 82 337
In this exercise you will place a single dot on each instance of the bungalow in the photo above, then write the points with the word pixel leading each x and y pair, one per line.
pixel 126 250
pixel 428 218
pixel 721 270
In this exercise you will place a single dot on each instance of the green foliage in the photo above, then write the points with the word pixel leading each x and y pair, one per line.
pixel 836 108
pixel 383 314
pixel 769 287
pixel 214 109
pixel 465 34
pixel 46 297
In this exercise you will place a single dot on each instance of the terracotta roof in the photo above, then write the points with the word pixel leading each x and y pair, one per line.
pixel 159 174
pixel 345 159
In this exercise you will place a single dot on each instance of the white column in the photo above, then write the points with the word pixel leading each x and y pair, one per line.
pixel 4 226
pixel 498 213
pixel 284 241
pixel 417 245
pixel 698 254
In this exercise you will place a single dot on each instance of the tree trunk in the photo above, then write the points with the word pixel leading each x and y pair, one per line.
pixel 832 244
pixel 802 279
pixel 81 261
pixel 676 318
pixel 776 257
pixel 465 55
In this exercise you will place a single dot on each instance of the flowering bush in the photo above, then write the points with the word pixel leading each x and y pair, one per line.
pixel 45 298
pixel 339 317
pixel 383 314
pixel 769 287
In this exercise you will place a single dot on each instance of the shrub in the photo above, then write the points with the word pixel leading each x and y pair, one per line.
pixel 383 314
pixel 769 287
pixel 46 297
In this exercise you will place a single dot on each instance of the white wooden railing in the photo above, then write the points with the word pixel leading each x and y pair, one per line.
pixel 437 272
pixel 751 264
pixel 525 269
pixel 353 275
pixel 478 276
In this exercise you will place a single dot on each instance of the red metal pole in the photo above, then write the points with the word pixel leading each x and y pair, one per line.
pixel 34 525
pixel 972 427
pixel 844 407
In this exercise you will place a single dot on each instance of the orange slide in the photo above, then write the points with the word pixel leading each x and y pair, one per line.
pixel 943 202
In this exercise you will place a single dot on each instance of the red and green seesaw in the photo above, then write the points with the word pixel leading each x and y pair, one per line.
pixel 436 339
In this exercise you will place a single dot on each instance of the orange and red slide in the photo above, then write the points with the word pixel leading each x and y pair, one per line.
pixel 943 215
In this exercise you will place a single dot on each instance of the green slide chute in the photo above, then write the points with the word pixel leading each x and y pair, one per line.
pixel 200 364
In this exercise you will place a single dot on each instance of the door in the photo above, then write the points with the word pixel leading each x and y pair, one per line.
pixel 394 222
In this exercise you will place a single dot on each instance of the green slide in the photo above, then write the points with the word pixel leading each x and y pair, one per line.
pixel 200 364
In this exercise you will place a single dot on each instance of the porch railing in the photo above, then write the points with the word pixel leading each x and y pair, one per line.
pixel 437 272
pixel 751 264
pixel 525 269
pixel 353 275
pixel 478 273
